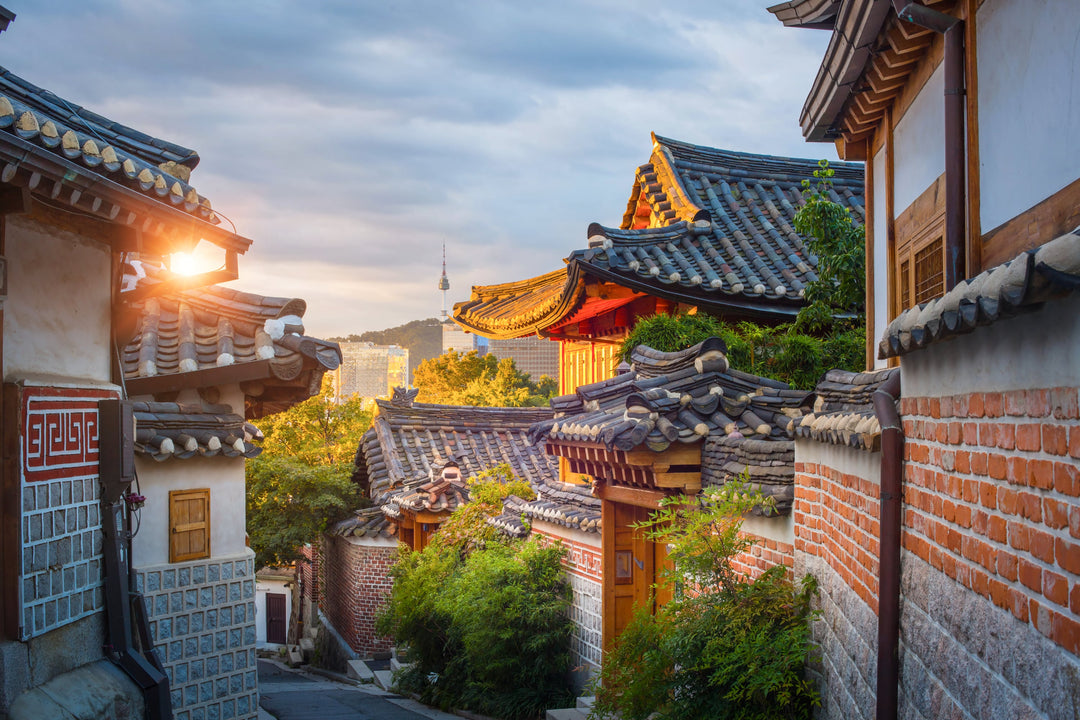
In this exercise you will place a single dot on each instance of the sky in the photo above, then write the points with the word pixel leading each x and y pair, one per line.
pixel 351 139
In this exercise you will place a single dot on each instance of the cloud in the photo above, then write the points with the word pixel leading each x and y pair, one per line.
pixel 351 140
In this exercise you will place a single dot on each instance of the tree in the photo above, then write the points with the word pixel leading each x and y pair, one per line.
pixel 839 293
pixel 480 380
pixel 302 480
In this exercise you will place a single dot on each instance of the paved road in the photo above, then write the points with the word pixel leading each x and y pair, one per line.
pixel 287 694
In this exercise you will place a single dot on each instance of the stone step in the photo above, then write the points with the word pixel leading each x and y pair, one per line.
pixel 358 670
pixel 384 679
pixel 294 658
pixel 585 702
pixel 567 714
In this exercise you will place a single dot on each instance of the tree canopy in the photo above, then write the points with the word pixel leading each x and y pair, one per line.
pixel 302 480
pixel 481 380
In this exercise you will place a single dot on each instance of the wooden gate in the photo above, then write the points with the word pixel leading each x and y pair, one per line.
pixel 276 618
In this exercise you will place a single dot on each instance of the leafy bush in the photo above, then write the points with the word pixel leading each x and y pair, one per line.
pixel 725 646
pixel 467 526
pixel 489 633
pixel 670 333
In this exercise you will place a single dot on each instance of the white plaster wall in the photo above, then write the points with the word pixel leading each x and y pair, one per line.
pixel 1036 350
pixel 845 459
pixel 57 318
pixel 223 475
pixel 1029 103
pixel 372 541
pixel 881 252
pixel 225 478
pixel 780 528
pixel 262 588
pixel 919 142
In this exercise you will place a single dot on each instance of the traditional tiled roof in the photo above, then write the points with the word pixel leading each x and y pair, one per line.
pixel 181 431
pixel 180 335
pixel 410 443
pixel 844 412
pixel 521 308
pixel 870 56
pixel 716 228
pixel 769 464
pixel 675 397
pixel 817 14
pixel 435 496
pixel 565 504
pixel 67 141
pixel 1020 285
pixel 369 523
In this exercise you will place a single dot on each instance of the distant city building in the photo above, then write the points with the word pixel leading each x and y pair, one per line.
pixel 455 337
pixel 370 371
pixel 534 355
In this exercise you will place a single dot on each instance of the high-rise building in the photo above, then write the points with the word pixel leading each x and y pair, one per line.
pixel 534 355
pixel 370 371
pixel 455 337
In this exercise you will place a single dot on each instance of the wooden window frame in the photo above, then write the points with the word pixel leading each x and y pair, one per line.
pixel 175 529
pixel 918 227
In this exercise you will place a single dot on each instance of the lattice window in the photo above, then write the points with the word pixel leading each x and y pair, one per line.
pixel 905 284
pixel 929 280
pixel 189 524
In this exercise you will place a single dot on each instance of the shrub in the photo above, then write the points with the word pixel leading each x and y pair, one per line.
pixel 732 647
pixel 489 633
pixel 467 526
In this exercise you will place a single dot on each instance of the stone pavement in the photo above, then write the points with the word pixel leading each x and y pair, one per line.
pixel 287 694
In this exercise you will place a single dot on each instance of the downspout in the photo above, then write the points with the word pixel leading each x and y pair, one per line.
pixel 892 456
pixel 955 149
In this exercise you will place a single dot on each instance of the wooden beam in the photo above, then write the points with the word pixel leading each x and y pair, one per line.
pixel 1051 218
pixel 689 481
pixel 14 200
pixel 241 372
pixel 607 577
pixel 974 209
pixel 10 512
pixel 638 497
pixel 869 242
pixel 678 455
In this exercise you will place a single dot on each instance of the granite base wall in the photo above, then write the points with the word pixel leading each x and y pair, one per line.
pixel 202 618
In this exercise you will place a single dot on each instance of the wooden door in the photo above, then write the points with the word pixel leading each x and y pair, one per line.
pixel 189 521
pixel 275 618
pixel 632 567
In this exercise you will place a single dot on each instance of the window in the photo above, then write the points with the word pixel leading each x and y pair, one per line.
pixel 189 524
pixel 920 250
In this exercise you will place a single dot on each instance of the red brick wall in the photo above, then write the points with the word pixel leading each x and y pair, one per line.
pixel 836 519
pixel 991 500
pixel 354 587
pixel 765 553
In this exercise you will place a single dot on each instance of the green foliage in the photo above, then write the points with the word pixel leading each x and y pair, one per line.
pixel 318 431
pixel 840 245
pixel 301 481
pixel 489 633
pixel 289 503
pixel 783 353
pixel 670 333
pixel 480 380
pixel 732 648
pixel 467 526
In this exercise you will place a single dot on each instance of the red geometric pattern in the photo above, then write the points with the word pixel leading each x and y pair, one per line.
pixel 60 432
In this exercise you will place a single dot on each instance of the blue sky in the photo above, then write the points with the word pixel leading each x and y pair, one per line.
pixel 351 139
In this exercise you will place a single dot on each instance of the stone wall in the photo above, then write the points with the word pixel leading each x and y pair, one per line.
pixel 584 571
pixel 992 553
pixel 837 491
pixel 354 586
pixel 202 618
pixel 61 517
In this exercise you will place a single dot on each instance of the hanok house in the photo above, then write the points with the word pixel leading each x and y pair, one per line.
pixel 413 464
pixel 78 193
pixel 199 364
pixel 660 430
pixel 965 114
pixel 704 228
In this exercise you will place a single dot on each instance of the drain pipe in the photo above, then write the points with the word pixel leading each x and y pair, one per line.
pixel 892 457
pixel 955 145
